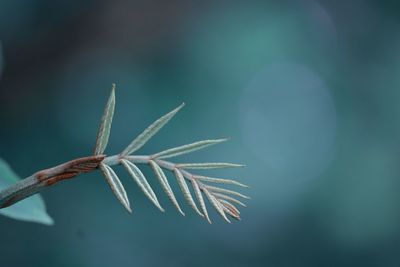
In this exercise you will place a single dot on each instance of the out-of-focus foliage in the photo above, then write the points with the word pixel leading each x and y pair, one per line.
pixel 1 60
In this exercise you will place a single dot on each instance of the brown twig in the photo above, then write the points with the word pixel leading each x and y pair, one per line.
pixel 45 178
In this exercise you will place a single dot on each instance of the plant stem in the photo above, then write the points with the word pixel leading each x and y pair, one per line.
pixel 45 178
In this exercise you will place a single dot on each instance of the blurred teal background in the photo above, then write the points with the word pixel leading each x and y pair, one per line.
pixel 307 90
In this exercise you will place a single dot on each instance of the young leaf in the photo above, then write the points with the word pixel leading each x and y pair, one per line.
pixel 105 124
pixel 185 190
pixel 229 205
pixel 230 209
pixel 141 181
pixel 173 152
pixel 216 205
pixel 115 185
pixel 219 180
pixel 165 185
pixel 222 196
pixel 139 141
pixel 225 191
pixel 31 209
pixel 213 165
pixel 200 198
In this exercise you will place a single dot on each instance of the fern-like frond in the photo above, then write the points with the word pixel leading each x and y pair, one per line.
pixel 221 199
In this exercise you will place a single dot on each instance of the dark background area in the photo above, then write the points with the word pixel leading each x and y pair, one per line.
pixel 307 90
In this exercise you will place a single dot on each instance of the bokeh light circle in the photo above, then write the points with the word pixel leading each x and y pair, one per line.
pixel 289 121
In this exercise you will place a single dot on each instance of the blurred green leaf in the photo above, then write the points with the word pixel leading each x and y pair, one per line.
pixel 32 209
